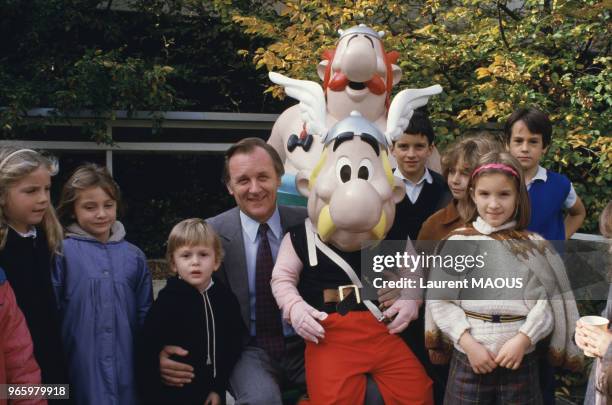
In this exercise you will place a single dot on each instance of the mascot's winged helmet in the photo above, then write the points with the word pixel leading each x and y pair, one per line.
pixel 351 191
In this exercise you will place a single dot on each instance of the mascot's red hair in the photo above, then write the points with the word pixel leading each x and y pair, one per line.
pixel 376 84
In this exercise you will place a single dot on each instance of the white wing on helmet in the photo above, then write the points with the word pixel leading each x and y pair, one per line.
pixel 311 98
pixel 403 106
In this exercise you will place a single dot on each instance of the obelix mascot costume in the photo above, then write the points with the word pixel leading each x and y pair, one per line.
pixel 358 75
pixel 351 195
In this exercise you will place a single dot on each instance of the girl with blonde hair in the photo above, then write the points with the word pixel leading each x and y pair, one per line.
pixel 30 235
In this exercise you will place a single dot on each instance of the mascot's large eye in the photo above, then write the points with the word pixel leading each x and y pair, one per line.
pixel 365 169
pixel 343 169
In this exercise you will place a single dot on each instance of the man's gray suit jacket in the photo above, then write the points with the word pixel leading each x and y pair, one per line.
pixel 233 271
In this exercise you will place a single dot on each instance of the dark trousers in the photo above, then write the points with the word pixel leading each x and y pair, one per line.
pixel 414 337
pixel 259 379
pixel 547 380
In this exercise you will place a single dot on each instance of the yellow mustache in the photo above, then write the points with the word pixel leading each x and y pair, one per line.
pixel 379 230
pixel 325 225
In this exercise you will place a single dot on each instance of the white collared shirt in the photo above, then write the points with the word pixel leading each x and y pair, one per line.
pixel 541 175
pixel 251 244
pixel 413 190
pixel 29 234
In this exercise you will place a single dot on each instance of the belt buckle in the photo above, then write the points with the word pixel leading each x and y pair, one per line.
pixel 382 318
pixel 352 286
pixel 496 319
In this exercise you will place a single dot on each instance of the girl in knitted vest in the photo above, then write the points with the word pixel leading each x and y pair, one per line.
pixel 494 325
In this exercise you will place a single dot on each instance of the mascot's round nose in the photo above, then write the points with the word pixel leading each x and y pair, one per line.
pixel 355 206
pixel 359 60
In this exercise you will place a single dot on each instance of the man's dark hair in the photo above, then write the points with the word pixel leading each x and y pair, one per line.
pixel 536 121
pixel 420 125
pixel 248 145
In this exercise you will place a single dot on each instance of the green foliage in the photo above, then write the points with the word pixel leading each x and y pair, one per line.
pixel 71 56
pixel 102 56
pixel 105 82
pixel 490 59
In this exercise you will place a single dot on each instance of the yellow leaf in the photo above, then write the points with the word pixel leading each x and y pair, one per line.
pixel 492 110
pixel 482 72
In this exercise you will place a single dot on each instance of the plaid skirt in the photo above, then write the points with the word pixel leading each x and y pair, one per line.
pixel 502 386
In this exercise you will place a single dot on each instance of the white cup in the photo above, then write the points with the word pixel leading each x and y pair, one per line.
pixel 596 321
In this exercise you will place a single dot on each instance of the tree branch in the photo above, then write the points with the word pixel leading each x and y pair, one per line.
pixel 511 13
pixel 501 27
pixel 583 53
pixel 452 84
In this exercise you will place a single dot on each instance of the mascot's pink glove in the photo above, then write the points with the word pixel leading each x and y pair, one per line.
pixel 304 320
pixel 285 276
pixel 405 311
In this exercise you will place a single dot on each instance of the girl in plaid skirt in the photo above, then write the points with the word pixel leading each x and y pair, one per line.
pixel 494 331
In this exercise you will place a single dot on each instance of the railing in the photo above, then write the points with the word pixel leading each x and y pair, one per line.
pixel 247 122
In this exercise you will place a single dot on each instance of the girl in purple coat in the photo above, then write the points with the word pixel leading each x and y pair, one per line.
pixel 103 288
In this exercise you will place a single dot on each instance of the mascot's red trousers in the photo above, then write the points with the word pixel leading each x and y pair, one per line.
pixel 356 344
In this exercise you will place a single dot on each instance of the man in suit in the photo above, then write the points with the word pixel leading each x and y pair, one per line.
pixel 273 357
pixel 276 359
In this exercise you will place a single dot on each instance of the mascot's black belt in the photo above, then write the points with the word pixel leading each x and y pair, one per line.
pixel 346 297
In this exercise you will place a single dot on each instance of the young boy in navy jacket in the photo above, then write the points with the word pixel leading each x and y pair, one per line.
pixel 426 190
pixel 196 314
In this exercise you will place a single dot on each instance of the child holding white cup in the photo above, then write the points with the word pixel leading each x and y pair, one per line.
pixel 593 336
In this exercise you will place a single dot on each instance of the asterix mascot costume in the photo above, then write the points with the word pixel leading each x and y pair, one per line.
pixel 357 75
pixel 316 280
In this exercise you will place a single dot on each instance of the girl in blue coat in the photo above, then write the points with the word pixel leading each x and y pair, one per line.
pixel 103 288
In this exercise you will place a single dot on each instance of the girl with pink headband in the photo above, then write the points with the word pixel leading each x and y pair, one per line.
pixel 494 330
pixel 498 166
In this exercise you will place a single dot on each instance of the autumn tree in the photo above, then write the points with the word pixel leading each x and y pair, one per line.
pixel 490 57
